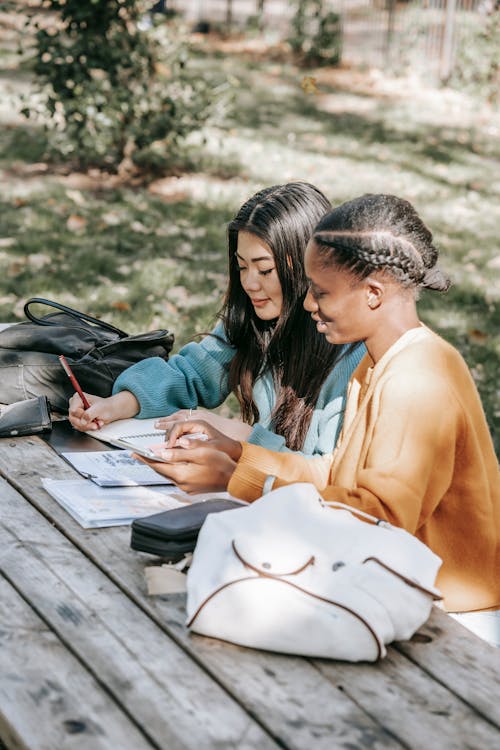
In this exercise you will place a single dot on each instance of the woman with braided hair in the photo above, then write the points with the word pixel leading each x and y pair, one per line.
pixel 415 447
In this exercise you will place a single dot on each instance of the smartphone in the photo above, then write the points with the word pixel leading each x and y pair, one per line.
pixel 145 450
pixel 147 454
pixel 141 450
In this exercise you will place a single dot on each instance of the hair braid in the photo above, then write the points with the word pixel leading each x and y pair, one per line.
pixel 381 233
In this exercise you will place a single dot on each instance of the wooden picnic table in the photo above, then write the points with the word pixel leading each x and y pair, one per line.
pixel 89 661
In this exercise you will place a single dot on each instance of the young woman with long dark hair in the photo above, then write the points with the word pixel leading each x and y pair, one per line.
pixel 290 383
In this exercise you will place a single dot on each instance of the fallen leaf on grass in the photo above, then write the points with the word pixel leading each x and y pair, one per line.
pixel 121 306
pixel 308 85
pixel 478 336
pixel 76 223
pixel 16 268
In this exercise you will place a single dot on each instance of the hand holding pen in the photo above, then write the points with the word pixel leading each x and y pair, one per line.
pixel 76 384
pixel 74 381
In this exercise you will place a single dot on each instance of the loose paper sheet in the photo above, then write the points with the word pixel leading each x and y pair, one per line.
pixel 114 469
pixel 166 579
pixel 94 506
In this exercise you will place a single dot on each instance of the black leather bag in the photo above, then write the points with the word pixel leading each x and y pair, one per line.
pixel 96 351
pixel 29 417
pixel 173 533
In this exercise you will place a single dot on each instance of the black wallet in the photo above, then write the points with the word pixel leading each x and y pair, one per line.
pixel 173 533
pixel 27 417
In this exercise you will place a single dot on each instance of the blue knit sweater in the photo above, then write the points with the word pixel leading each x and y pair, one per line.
pixel 197 376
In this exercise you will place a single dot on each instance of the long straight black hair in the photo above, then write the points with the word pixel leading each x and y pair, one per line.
pixel 290 348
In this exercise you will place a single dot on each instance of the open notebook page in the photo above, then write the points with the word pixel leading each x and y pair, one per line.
pixel 135 432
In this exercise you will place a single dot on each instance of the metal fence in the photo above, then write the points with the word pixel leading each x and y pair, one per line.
pixel 421 35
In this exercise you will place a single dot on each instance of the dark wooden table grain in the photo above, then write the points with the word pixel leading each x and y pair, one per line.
pixel 89 661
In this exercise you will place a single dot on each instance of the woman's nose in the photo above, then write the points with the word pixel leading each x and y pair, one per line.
pixel 310 303
pixel 251 281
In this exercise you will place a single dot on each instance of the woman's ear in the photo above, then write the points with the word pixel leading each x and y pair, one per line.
pixel 374 293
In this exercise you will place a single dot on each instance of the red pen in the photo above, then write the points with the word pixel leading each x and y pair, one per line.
pixel 74 381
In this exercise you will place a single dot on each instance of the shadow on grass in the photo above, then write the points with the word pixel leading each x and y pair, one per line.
pixel 127 224
pixel 30 144
pixel 415 147
pixel 23 143
pixel 129 251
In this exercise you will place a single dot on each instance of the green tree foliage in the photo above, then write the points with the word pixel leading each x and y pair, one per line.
pixel 316 33
pixel 477 64
pixel 112 91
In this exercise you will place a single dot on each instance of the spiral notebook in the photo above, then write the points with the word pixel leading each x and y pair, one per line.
pixel 130 433
pixel 135 434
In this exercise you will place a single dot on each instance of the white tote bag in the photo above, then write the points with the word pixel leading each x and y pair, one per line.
pixel 294 574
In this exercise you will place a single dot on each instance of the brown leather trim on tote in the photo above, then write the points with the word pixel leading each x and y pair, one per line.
pixel 409 581
pixel 270 575
pixel 298 588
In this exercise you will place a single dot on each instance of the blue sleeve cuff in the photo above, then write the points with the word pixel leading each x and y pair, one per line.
pixel 266 438
pixel 195 376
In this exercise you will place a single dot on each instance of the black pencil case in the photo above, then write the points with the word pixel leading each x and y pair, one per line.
pixel 173 533
pixel 28 417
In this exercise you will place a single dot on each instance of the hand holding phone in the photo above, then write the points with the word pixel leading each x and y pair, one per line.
pixel 149 452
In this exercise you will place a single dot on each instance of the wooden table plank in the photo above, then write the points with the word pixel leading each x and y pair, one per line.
pixel 43 686
pixel 472 672
pixel 287 694
pixel 416 708
pixel 165 691
pixel 300 705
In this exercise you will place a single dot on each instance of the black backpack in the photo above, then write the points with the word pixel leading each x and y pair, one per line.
pixel 96 351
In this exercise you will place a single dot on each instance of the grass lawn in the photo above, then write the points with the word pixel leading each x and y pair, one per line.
pixel 153 255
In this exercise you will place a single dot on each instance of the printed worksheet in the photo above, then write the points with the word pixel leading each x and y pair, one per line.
pixel 114 468
pixel 94 506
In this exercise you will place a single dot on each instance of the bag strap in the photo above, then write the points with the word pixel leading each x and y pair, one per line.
pixel 356 512
pixel 268 486
pixel 70 311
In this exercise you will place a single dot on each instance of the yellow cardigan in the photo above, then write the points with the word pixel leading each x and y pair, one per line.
pixel 415 449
